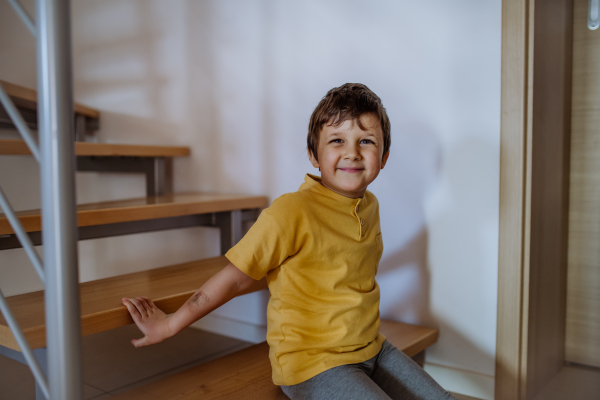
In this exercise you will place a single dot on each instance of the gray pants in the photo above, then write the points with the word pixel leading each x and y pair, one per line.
pixel 391 374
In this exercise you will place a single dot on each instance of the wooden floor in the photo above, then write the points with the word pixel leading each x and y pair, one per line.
pixel 112 366
pixel 573 382
pixel 463 397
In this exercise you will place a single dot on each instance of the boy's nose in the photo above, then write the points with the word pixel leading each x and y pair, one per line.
pixel 352 153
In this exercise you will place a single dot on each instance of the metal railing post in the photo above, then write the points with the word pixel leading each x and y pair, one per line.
pixel 24 15
pixel 22 235
pixel 20 123
pixel 33 364
pixel 59 218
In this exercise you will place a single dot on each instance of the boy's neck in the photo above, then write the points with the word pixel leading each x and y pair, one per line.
pixel 335 191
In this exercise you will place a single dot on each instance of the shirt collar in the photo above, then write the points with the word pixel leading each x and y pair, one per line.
pixel 313 183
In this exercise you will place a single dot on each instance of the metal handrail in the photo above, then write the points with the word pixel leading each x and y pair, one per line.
pixel 20 123
pixel 22 235
pixel 24 15
pixel 59 216
pixel 59 219
pixel 25 349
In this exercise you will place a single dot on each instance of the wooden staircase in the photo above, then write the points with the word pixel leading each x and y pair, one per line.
pixel 25 99
pixel 19 148
pixel 101 307
pixel 245 374
pixel 143 209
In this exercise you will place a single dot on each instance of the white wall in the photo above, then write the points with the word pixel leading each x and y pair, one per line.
pixel 237 81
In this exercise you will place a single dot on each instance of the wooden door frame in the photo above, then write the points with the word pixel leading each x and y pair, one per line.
pixel 534 165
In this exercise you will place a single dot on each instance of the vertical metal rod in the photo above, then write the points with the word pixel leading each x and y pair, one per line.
pixel 80 128
pixel 152 186
pixel 159 180
pixel 24 346
pixel 230 225
pixel 22 235
pixel 20 123
pixel 24 15
pixel 236 227
pixel 593 14
pixel 41 355
pixel 59 218
pixel 159 176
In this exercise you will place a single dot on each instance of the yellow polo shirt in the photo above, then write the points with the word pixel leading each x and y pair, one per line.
pixel 320 252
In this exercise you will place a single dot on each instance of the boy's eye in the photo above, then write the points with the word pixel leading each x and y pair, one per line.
pixel 336 141
pixel 367 141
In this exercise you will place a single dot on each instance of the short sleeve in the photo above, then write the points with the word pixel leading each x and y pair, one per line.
pixel 263 248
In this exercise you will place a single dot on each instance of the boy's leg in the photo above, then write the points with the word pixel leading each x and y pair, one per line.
pixel 402 378
pixel 346 382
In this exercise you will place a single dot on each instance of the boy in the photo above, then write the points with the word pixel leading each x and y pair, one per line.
pixel 319 249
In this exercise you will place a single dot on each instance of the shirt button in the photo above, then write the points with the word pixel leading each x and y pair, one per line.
pixel 362 221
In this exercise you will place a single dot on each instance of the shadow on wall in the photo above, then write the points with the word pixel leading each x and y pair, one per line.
pixel 126 128
pixel 116 61
pixel 203 96
pixel 228 98
pixel 196 74
pixel 153 71
pixel 413 303
pixel 404 274
pixel 444 201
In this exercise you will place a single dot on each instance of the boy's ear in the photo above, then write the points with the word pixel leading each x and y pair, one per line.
pixel 385 158
pixel 312 159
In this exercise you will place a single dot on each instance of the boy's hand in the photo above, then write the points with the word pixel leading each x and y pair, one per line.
pixel 149 319
pixel 157 326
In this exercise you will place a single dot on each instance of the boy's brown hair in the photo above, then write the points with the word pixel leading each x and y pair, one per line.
pixel 348 101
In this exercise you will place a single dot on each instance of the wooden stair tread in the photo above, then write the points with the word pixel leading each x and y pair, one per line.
pixel 27 98
pixel 101 307
pixel 246 374
pixel 16 147
pixel 411 339
pixel 144 208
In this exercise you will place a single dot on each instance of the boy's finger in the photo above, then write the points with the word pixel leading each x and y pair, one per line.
pixel 150 307
pixel 144 303
pixel 140 342
pixel 135 314
pixel 139 306
pixel 150 302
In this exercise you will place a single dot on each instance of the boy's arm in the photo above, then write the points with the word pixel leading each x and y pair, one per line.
pixel 157 326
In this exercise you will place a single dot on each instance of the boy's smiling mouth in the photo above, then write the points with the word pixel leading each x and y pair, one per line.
pixel 351 170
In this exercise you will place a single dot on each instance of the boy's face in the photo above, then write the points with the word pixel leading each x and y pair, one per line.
pixel 350 158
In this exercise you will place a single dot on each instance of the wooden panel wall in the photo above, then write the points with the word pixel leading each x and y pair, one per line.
pixel 513 167
pixel 583 290
pixel 550 127
pixel 536 59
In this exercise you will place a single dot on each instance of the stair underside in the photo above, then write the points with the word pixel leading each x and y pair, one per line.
pixel 246 374
pixel 101 307
pixel 144 208
pixel 17 147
